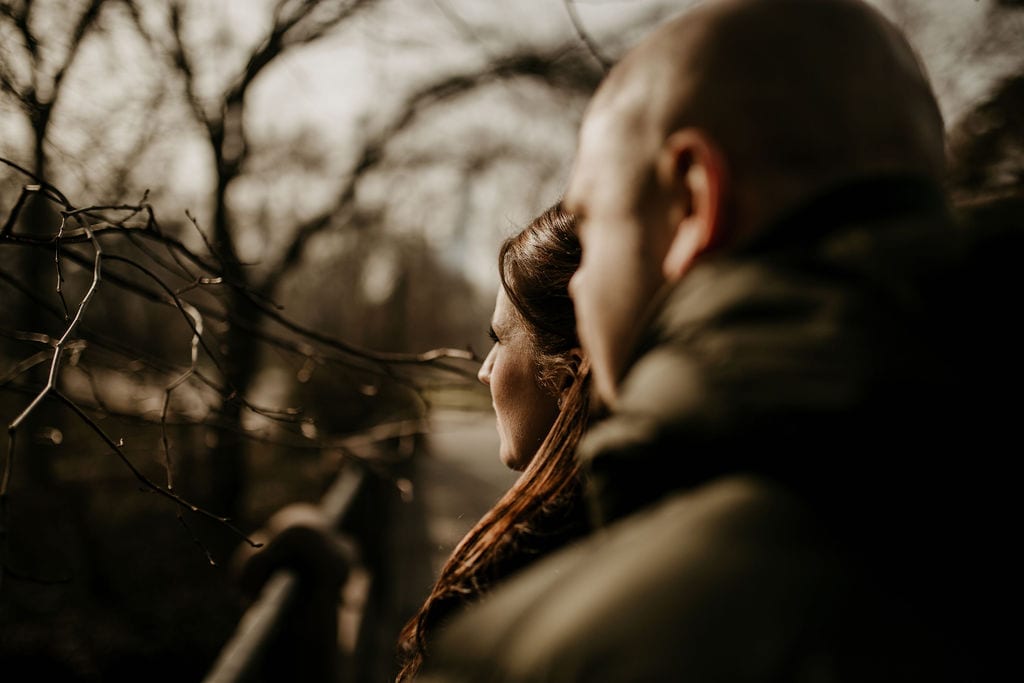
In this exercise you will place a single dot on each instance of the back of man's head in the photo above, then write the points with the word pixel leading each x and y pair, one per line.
pixel 718 123
pixel 798 94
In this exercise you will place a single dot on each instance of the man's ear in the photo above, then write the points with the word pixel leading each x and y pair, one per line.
pixel 691 171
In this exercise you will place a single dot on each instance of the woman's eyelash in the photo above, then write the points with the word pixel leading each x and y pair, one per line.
pixel 492 334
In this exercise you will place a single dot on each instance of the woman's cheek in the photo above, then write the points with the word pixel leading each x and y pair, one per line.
pixel 513 403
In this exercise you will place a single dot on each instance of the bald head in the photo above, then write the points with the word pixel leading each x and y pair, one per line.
pixel 716 124
pixel 797 93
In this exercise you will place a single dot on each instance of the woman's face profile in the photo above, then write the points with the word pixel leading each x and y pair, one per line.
pixel 525 411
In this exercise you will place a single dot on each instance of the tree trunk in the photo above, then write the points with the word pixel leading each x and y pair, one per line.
pixel 228 475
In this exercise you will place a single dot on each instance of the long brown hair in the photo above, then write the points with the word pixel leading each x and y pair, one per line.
pixel 543 510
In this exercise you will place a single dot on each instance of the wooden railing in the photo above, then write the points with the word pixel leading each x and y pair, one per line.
pixel 257 627
pixel 372 508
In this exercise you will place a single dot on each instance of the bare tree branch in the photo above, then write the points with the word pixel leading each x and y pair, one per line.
pixel 548 68
pixel 462 26
pixel 51 192
pixel 39 109
pixel 585 37
pixel 196 337
pixel 85 21
pixel 49 389
pixel 21 19
pixel 117 447
pixel 88 233
pixel 8 85
pixel 179 56
pixel 58 354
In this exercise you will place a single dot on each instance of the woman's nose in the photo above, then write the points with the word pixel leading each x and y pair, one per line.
pixel 484 374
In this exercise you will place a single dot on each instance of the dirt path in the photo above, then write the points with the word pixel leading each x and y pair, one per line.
pixel 462 477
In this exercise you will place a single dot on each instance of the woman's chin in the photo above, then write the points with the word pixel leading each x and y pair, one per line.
pixel 512 460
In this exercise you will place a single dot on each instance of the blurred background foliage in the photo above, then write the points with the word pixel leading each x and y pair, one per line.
pixel 343 173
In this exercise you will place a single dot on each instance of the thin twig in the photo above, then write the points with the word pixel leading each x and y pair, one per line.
pixel 230 392
pixel 117 447
pixel 198 327
pixel 56 262
pixel 26 192
pixel 50 387
pixel 354 357
pixel 46 188
pixel 58 352
pixel 585 37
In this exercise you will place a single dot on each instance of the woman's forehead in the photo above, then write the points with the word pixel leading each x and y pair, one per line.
pixel 506 318
pixel 504 311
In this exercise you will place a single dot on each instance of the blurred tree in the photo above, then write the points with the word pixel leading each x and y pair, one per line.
pixel 33 70
pixel 294 24
pixel 222 114
pixel 38 56
pixel 181 57
pixel 170 99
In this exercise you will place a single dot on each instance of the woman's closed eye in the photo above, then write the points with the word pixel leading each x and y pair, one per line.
pixel 493 335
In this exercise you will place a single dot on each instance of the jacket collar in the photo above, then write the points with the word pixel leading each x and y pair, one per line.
pixel 859 202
